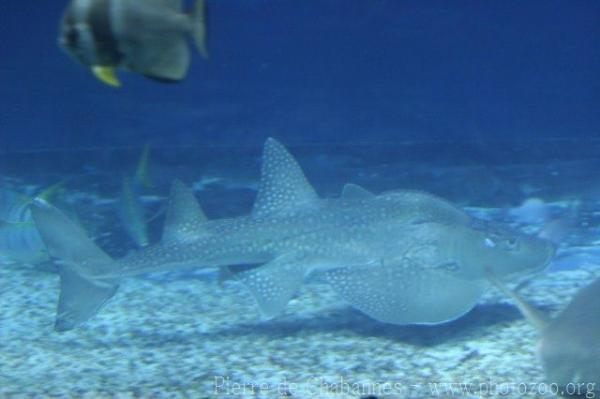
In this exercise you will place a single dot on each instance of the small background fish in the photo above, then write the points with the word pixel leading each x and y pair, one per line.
pixel 19 239
pixel 132 212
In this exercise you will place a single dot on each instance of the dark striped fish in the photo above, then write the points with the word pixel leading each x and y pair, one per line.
pixel 147 37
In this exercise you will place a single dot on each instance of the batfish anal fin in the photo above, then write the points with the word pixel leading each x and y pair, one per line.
pixel 162 58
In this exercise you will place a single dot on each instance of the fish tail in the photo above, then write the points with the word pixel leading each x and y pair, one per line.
pixel 198 22
pixel 132 213
pixel 538 319
pixel 50 192
pixel 88 276
pixel 142 176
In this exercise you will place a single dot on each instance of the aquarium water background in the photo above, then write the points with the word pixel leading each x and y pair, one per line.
pixel 322 72
pixel 485 103
pixel 362 88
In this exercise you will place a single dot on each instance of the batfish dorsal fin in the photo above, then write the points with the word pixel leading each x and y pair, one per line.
pixel 184 215
pixel 283 184
pixel 354 191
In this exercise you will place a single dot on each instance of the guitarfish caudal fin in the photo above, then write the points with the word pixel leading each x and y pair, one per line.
pixel 88 276
pixel 81 264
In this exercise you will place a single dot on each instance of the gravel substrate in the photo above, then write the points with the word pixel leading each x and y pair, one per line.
pixel 185 335
pixel 173 336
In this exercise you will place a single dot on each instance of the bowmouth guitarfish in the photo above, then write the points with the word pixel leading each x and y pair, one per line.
pixel 401 257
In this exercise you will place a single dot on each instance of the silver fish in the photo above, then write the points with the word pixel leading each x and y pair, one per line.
pixel 569 348
pixel 147 37
pixel 401 257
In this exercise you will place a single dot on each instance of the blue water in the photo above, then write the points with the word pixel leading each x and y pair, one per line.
pixel 321 71
pixel 484 103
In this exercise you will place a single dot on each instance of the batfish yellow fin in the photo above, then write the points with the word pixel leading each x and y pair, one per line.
pixel 106 75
